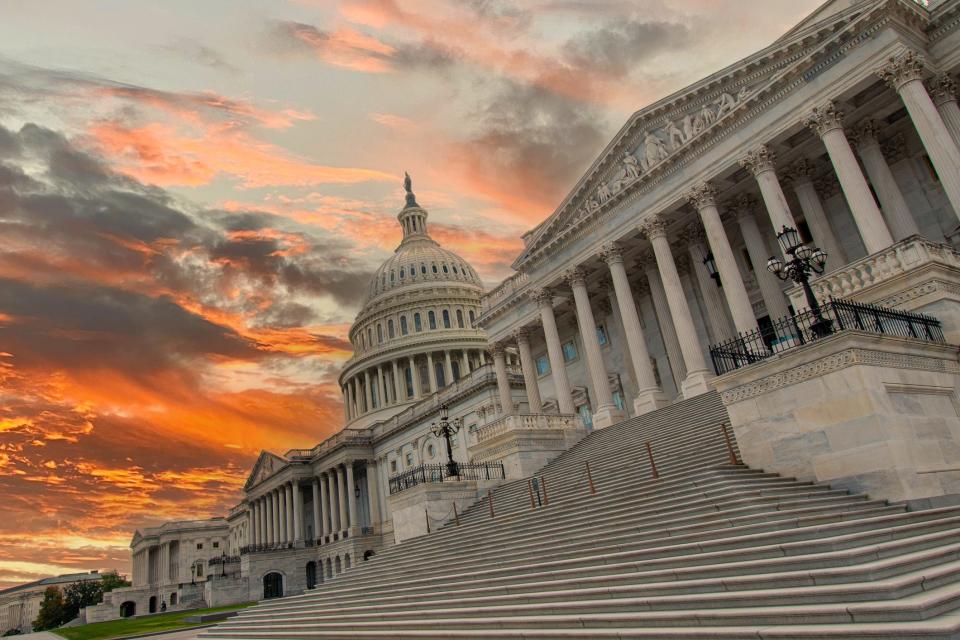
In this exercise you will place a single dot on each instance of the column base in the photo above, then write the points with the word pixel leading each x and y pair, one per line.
pixel 607 415
pixel 649 400
pixel 696 383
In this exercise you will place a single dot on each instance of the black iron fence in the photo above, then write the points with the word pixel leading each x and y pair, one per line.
pixel 835 315
pixel 440 473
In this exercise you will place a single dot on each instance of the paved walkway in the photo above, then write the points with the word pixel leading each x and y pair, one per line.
pixel 39 635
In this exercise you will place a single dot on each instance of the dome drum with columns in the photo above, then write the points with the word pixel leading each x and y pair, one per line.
pixel 416 331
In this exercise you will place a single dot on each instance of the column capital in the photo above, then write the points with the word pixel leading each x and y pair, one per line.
pixel 575 276
pixel 943 89
pixel 801 172
pixel 825 118
pixel 866 134
pixel 647 260
pixel 899 70
pixel 702 196
pixel 743 206
pixel 542 297
pixel 611 253
pixel 693 234
pixel 759 160
pixel 497 349
pixel 522 335
pixel 827 186
pixel 653 227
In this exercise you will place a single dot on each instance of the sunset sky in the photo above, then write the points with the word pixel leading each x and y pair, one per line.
pixel 194 193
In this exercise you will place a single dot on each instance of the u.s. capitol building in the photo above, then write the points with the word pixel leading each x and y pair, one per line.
pixel 669 271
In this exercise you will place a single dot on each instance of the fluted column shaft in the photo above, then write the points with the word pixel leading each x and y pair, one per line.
pixel 415 378
pixel 431 373
pixel 503 379
pixel 558 367
pixel 826 121
pixel 894 205
pixel 698 373
pixel 945 99
pixel 399 385
pixel 373 490
pixel 905 76
pixel 465 360
pixel 760 163
pixel 332 498
pixel 342 498
pixel 815 215
pixel 346 404
pixel 254 524
pixel 773 298
pixel 605 412
pixel 324 506
pixel 529 372
pixel 317 508
pixel 678 371
pixel 352 495
pixel 367 391
pixel 273 517
pixel 448 367
pixel 715 306
pixel 282 515
pixel 297 512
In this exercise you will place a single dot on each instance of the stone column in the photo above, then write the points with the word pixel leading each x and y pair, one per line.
pixel 448 367
pixel 297 512
pixel 334 505
pixel 254 524
pixel 465 360
pixel 366 391
pixel 698 376
pixel 827 122
pixel 503 378
pixel 769 284
pixel 399 385
pixel 760 162
pixel 703 198
pixel 415 378
pixel 716 309
pixel 264 517
pixel 558 368
pixel 291 529
pixel 317 509
pixel 431 373
pixel 373 490
pixel 342 498
pixel 678 371
pixel 324 505
pixel 282 515
pixel 905 75
pixel 522 337
pixel 271 518
pixel 649 395
pixel 801 176
pixel 894 206
pixel 351 495
pixel 605 413
pixel 346 405
pixel 380 397
pixel 944 94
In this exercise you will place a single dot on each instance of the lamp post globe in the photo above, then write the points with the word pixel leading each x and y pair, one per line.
pixel 802 260
pixel 446 429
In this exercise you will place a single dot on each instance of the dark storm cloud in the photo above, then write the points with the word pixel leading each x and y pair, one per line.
pixel 619 46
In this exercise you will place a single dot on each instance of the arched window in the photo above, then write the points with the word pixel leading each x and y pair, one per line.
pixel 455 269
pixel 337 566
pixel 439 372
pixel 329 568
pixel 379 333
pixel 423 268
pixel 460 318
pixel 435 268
pixel 408 378
pixel 445 269
pixel 346 562
pixel 403 271
pixel 432 319
pixel 456 370
pixel 369 336
pixel 473 319
pixel 403 326
pixel 413 271
pixel 393 276
pixel 390 333
pixel 446 318
pixel 417 323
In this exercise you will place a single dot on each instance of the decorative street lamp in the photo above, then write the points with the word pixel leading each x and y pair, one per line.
pixel 803 261
pixel 447 428
pixel 711 265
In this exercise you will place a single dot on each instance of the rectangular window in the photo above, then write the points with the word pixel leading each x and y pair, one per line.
pixel 199 546
pixel 569 351
pixel 393 466
pixel 586 415
pixel 602 335
pixel 543 365
pixel 216 545
pixel 409 459
pixel 618 399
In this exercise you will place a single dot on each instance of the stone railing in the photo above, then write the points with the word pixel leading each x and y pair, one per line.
pixel 522 422
pixel 503 292
pixel 856 280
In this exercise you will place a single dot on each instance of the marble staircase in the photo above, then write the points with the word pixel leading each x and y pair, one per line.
pixel 708 549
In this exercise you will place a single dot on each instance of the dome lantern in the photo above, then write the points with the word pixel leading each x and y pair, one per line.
pixel 413 218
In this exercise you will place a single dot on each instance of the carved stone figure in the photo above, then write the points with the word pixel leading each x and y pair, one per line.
pixel 725 104
pixel 674 135
pixel 592 205
pixel 742 94
pixel 654 150
pixel 707 114
pixel 631 166
pixel 603 192
pixel 688 128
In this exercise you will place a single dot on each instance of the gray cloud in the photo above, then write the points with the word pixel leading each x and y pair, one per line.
pixel 618 47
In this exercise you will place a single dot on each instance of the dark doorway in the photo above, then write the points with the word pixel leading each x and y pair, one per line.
pixel 153 604
pixel 311 574
pixel 128 609
pixel 173 598
pixel 272 585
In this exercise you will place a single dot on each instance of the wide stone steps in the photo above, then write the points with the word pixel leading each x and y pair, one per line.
pixel 707 550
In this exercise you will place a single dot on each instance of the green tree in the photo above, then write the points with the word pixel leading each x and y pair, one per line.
pixel 81 594
pixel 52 610
pixel 113 580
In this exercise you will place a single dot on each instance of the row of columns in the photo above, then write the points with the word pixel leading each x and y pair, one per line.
pixel 360 397
pixel 277 517
pixel 877 229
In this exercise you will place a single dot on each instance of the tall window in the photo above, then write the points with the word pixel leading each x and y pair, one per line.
pixel 456 370
pixel 441 375
pixel 408 379
pixel 379 333
pixel 374 393
pixel 446 318
pixel 369 336
pixel 390 333
pixel 460 318
pixel 417 323
pixel 403 326
pixel 472 319
pixel 543 365
pixel 569 351
pixel 602 335
pixel 432 319
pixel 586 415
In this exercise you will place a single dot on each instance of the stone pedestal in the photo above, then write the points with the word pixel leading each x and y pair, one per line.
pixel 411 507
pixel 866 412
pixel 525 443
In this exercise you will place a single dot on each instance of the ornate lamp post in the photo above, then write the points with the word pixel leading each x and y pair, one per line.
pixel 803 261
pixel 447 428
pixel 711 265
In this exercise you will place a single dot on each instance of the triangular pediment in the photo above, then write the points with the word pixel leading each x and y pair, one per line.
pixel 267 464
pixel 659 138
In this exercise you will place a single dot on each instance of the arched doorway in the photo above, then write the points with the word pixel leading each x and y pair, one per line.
pixel 337 567
pixel 128 609
pixel 311 574
pixel 346 562
pixel 272 585
pixel 367 554
pixel 153 604
pixel 173 598
pixel 329 568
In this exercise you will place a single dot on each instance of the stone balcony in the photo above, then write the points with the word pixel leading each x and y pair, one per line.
pixel 914 274
pixel 525 442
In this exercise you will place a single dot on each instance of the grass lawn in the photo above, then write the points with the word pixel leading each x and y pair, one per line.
pixel 135 626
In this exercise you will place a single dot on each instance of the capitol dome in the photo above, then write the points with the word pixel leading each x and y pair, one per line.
pixel 415 332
